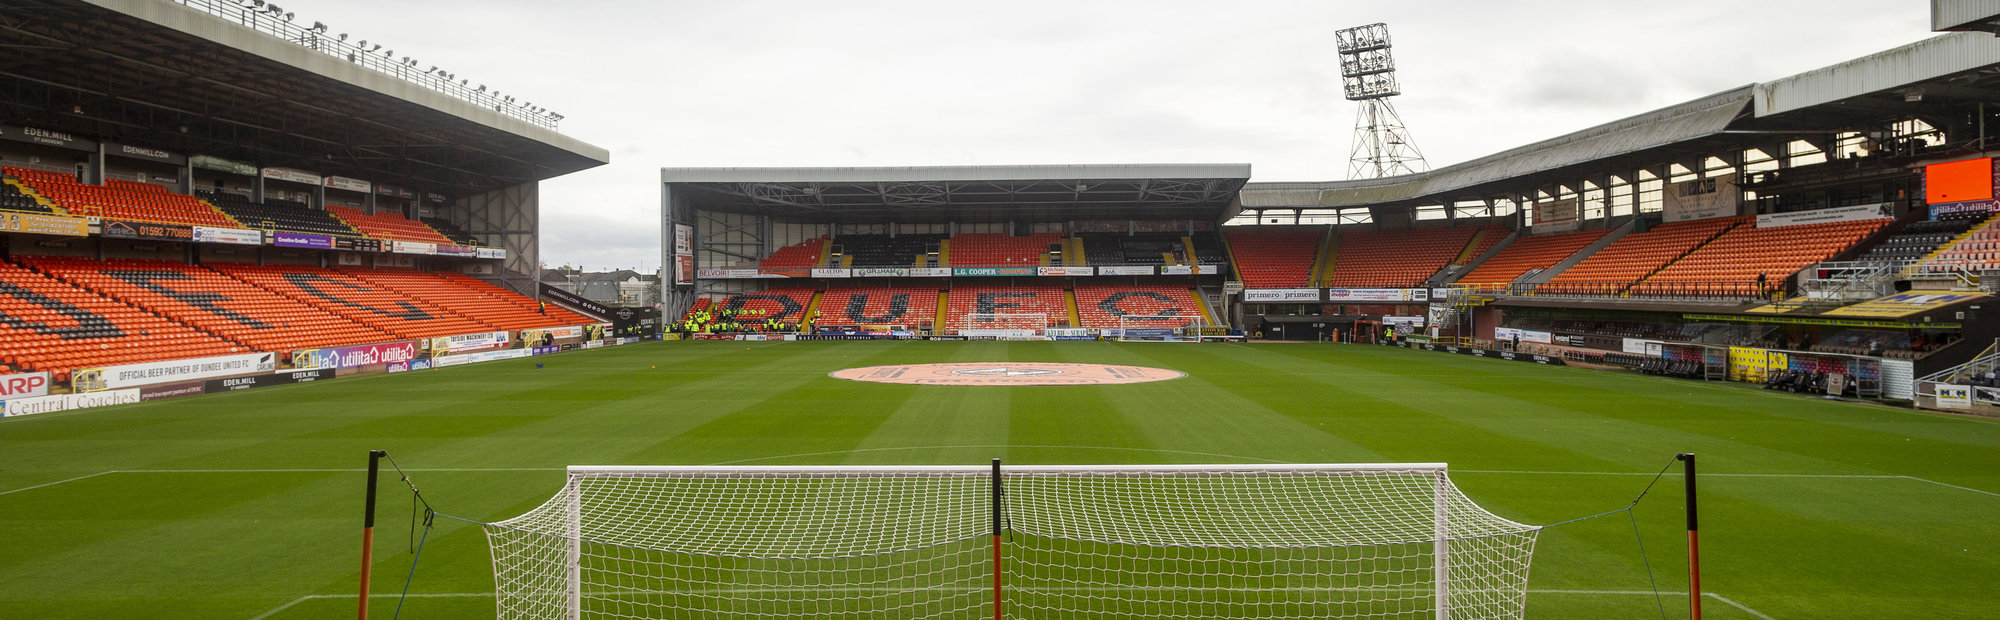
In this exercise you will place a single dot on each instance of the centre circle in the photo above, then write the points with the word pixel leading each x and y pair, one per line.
pixel 1007 373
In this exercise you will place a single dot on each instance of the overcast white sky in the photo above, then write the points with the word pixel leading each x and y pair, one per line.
pixel 867 83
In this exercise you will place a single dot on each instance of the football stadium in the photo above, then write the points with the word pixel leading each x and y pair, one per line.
pixel 276 343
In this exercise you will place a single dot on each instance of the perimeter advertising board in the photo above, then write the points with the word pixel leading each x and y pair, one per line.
pixel 1823 216
pixel 1126 270
pixel 236 236
pixel 992 271
pixel 1507 334
pixel 288 174
pixel 211 162
pixel 24 384
pixel 135 375
pixel 44 224
pixel 1063 271
pixel 930 272
pixel 121 229
pixel 1280 295
pixel 1187 270
pixel 301 241
pixel 463 342
pixel 349 184
pixel 1951 396
pixel 46 137
pixel 355 356
pixel 16 407
pixel 142 152
pixel 1378 294
pixel 256 381
pixel 882 272
pixel 413 247
pixel 830 273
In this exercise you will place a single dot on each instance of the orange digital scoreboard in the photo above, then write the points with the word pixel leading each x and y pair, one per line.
pixel 1959 181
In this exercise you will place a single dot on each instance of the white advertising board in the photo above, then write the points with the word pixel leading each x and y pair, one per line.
pixel 1556 216
pixel 1063 271
pixel 1280 295
pixel 1700 199
pixel 16 407
pixel 1126 270
pixel 135 375
pixel 1823 216
pixel 24 384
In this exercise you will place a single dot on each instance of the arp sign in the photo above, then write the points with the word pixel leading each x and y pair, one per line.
pixel 25 384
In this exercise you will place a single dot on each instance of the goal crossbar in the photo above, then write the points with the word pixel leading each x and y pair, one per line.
pixel 723 470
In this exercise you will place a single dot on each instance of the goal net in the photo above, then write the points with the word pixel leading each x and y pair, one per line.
pixel 1394 541
pixel 1005 325
pixel 1159 328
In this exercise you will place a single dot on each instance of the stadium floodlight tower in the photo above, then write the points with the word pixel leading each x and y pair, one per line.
pixel 1382 145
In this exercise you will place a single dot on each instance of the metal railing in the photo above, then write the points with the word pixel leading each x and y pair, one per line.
pixel 1746 290
pixel 266 18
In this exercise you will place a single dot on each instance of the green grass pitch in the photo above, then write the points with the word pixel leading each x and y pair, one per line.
pixel 248 505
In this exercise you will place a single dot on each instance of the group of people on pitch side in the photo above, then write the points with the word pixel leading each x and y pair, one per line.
pixel 732 320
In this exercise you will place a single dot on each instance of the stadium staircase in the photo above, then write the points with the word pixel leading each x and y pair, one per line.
pixel 1069 303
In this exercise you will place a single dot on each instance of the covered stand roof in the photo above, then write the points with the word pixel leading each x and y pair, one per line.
pixel 1947 72
pixel 966 193
pixel 173 77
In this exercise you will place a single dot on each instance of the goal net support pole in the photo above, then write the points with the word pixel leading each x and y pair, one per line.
pixel 1370 541
pixel 368 530
pixel 1694 537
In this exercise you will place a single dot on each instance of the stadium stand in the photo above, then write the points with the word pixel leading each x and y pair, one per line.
pixel 450 231
pixel 1734 262
pixel 883 250
pixel 1000 249
pixel 469 297
pixel 1022 299
pixel 388 226
pixel 1978 250
pixel 377 307
pixel 909 306
pixel 48 324
pixel 14 198
pixel 277 214
pixel 1635 256
pixel 1101 305
pixel 1103 248
pixel 122 200
pixel 1208 249
pixel 782 304
pixel 256 318
pixel 1529 253
pixel 1145 249
pixel 1395 258
pixel 1276 258
pixel 803 256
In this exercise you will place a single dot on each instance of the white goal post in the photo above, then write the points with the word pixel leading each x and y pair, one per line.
pixel 1159 328
pixel 1005 324
pixel 1375 541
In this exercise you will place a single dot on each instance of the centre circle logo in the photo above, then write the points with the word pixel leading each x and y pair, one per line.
pixel 1007 374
